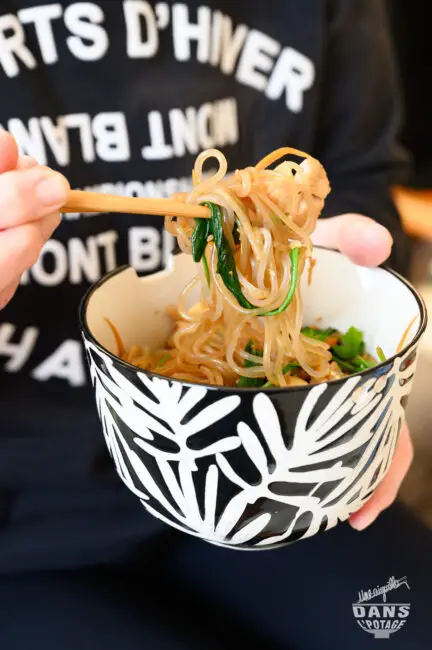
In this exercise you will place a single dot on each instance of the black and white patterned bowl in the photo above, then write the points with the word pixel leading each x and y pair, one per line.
pixel 245 468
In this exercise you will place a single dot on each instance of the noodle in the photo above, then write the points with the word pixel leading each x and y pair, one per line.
pixel 247 327
pixel 405 335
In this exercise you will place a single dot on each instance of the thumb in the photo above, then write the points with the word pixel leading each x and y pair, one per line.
pixel 8 152
pixel 360 238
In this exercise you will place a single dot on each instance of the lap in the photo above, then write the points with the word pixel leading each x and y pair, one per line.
pixel 100 609
pixel 301 596
pixel 195 595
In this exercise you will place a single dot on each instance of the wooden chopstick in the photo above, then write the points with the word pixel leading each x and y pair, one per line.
pixel 79 201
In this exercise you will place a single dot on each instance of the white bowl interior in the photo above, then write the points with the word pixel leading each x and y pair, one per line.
pixel 341 294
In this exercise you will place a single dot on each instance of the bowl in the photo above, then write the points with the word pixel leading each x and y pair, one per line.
pixel 248 468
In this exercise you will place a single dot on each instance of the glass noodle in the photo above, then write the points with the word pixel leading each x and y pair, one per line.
pixel 266 212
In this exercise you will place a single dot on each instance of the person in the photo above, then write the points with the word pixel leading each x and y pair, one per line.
pixel 120 97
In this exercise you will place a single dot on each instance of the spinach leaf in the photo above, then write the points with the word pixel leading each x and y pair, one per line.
pixel 226 267
pixel 350 345
pixel 236 234
pixel 206 269
pixel 320 335
pixel 199 238
pixel 294 257
pixel 380 354
pixel 362 364
pixel 251 382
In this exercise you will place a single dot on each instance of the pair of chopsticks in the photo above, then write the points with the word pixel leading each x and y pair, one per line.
pixel 95 202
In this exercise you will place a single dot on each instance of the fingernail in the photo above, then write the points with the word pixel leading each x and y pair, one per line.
pixel 4 135
pixel 52 190
pixel 360 522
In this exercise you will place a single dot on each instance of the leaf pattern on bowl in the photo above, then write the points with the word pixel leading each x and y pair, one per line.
pixel 149 424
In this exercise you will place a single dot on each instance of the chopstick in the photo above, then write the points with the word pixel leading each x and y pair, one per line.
pixel 79 201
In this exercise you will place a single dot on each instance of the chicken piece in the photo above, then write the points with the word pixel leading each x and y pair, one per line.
pixel 198 308
pixel 313 173
pixel 288 189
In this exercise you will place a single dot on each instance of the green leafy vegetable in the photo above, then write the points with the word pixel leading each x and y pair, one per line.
pixel 288 368
pixel 351 344
pixel 260 381
pixel 294 257
pixel 345 366
pixel 226 267
pixel 199 241
pixel 380 354
pixel 349 355
pixel 226 264
pixel 356 364
pixel 361 363
pixel 251 350
pixel 236 234
pixel 162 360
pixel 206 269
pixel 251 382
pixel 199 238
pixel 320 335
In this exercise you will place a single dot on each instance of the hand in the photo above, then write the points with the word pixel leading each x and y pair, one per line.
pixel 360 238
pixel 30 198
pixel 387 490
pixel 368 243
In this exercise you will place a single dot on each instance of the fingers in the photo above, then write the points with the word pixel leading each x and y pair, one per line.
pixel 9 155
pixel 30 194
pixel 21 246
pixel 26 162
pixel 49 224
pixel 387 490
pixel 8 152
pixel 8 293
pixel 30 199
pixel 360 238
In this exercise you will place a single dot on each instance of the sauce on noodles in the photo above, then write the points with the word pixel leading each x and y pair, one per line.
pixel 247 328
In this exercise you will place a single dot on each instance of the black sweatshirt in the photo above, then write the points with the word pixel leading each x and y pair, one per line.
pixel 121 96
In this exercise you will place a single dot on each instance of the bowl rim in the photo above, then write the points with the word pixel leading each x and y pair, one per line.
pixel 253 390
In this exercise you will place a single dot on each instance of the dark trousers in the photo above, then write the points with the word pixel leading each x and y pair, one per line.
pixel 188 594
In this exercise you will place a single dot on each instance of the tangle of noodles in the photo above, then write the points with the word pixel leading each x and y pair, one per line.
pixel 218 341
